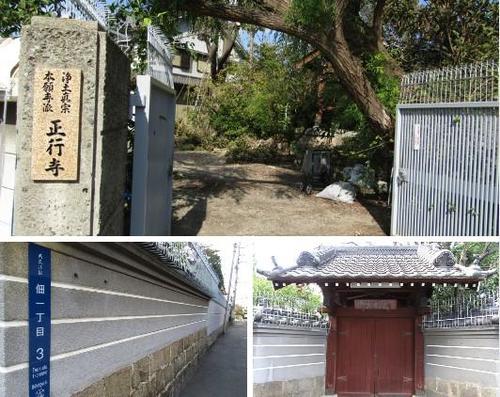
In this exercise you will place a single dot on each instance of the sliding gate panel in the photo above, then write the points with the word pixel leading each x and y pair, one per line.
pixel 445 178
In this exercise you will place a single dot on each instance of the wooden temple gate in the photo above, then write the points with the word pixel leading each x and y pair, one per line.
pixel 376 298
pixel 375 352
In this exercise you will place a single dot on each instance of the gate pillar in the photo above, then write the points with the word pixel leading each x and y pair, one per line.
pixel 72 130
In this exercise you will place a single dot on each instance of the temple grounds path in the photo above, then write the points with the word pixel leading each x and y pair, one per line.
pixel 212 197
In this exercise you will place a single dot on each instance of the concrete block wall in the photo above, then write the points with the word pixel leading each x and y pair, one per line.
pixel 462 362
pixel 112 306
pixel 289 361
pixel 162 373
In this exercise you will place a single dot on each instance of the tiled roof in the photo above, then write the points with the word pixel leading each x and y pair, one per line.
pixel 377 263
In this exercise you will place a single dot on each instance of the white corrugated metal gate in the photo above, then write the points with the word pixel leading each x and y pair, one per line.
pixel 445 179
pixel 152 179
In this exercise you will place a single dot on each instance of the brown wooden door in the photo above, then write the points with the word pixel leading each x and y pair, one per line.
pixel 355 357
pixel 394 357
pixel 375 357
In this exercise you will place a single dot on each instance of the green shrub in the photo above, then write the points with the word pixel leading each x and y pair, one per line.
pixel 248 149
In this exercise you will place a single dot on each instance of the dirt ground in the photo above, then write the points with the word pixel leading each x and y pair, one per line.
pixel 215 198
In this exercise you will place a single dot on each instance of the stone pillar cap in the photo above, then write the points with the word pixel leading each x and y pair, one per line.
pixel 63 23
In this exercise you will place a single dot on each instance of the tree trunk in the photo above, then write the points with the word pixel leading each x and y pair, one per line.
pixel 227 47
pixel 332 44
pixel 251 46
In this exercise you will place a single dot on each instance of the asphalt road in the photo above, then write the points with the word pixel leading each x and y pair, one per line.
pixel 223 370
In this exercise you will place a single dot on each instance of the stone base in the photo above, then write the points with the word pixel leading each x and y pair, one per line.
pixel 214 335
pixel 436 387
pixel 160 374
pixel 307 387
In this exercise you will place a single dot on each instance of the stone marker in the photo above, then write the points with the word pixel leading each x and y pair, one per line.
pixel 80 191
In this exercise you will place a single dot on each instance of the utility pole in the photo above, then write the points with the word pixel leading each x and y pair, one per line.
pixel 236 254
pixel 237 268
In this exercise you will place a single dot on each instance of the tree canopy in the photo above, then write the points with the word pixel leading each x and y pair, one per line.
pixel 13 14
pixel 216 264
pixel 348 34
pixel 302 298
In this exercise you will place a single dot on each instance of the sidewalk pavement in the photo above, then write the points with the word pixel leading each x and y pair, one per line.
pixel 223 370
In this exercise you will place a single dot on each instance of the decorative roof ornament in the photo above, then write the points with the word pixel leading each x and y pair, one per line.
pixel 307 258
pixel 440 257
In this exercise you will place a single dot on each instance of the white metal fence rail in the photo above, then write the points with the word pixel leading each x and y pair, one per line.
pixel 445 174
pixel 191 262
pixel 159 57
pixel 466 310
pixel 291 312
pixel 87 10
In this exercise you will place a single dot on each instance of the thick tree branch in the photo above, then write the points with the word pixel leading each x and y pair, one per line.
pixel 252 16
pixel 333 46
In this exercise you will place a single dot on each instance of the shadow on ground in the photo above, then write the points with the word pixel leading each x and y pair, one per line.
pixel 214 198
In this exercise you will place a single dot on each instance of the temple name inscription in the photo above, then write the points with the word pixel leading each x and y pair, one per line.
pixel 56 124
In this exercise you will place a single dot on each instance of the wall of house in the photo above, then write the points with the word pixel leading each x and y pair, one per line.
pixel 122 324
pixel 289 361
pixel 462 362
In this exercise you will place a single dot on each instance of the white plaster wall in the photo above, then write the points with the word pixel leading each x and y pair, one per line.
pixel 216 312
pixel 105 315
pixel 467 355
pixel 285 353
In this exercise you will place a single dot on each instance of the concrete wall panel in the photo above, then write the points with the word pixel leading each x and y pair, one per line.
pixel 456 358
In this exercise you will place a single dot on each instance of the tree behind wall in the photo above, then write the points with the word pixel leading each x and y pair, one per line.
pixel 302 298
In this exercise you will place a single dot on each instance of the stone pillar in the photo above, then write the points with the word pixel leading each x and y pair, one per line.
pixel 91 203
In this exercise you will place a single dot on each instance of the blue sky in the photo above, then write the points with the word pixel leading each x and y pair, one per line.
pixel 266 36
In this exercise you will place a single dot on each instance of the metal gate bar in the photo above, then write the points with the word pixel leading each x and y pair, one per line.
pixel 446 153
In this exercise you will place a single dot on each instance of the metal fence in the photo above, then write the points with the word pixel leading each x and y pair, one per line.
pixel 287 311
pixel 466 310
pixel 467 83
pixel 97 10
pixel 86 10
pixel 445 179
pixel 190 261
pixel 159 57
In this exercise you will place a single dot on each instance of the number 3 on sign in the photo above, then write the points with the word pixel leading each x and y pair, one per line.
pixel 39 353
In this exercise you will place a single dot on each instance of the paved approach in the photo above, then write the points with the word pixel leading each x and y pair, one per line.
pixel 223 370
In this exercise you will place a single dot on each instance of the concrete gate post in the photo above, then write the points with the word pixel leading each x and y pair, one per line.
pixel 86 196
